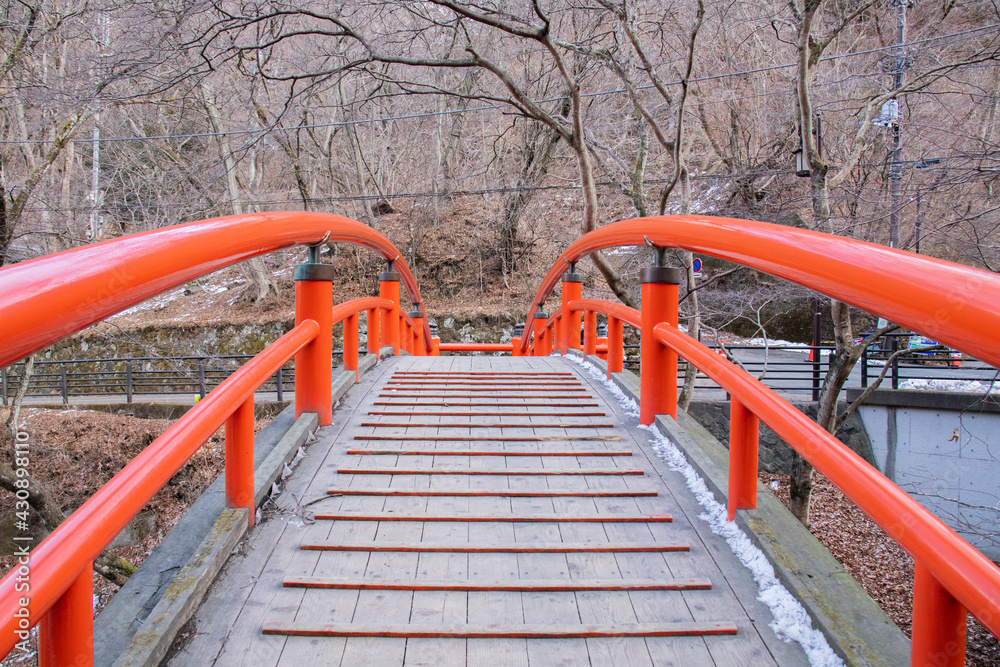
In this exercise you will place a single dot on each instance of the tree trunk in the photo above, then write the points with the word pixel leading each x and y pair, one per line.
pixel 254 268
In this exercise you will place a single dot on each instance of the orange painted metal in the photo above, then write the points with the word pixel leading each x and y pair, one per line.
pixel 744 438
pixel 528 585
pixel 589 332
pixel 470 413
pixel 601 347
pixel 492 452
pixel 350 339
pixel 374 342
pixel 478 374
pixel 950 303
pixel 557 517
pixel 508 548
pixel 418 336
pixel 410 384
pixel 488 471
pixel 538 329
pixel 939 622
pixel 476 347
pixel 515 348
pixel 501 493
pixel 569 335
pixel 962 570
pixel 239 458
pixel 87 284
pixel 616 346
pixel 389 290
pixel 494 425
pixel 453 404
pixel 66 632
pixel 658 369
pixel 314 362
pixel 88 531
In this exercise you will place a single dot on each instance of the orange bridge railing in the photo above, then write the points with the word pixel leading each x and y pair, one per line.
pixel 49 298
pixel 948 302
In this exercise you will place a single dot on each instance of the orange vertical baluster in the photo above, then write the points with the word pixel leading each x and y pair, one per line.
pixel 744 433
pixel 314 363
pixel 569 332
pixel 66 632
pixel 418 333
pixel 351 344
pixel 538 326
pixel 239 458
pixel 516 346
pixel 589 332
pixel 658 369
pixel 373 330
pixel 616 346
pixel 388 288
pixel 938 623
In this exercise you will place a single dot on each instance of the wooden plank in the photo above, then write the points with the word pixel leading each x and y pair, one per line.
pixel 480 425
pixel 486 405
pixel 481 547
pixel 348 583
pixel 491 471
pixel 497 452
pixel 543 493
pixel 467 438
pixel 480 413
pixel 392 393
pixel 553 631
pixel 515 518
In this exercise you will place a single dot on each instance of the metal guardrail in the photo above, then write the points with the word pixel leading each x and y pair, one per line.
pixel 136 376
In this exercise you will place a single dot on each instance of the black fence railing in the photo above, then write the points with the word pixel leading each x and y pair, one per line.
pixel 803 368
pixel 136 376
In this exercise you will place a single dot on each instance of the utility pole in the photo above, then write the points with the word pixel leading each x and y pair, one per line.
pixel 896 168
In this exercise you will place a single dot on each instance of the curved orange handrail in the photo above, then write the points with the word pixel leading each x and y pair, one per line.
pixel 967 574
pixel 56 561
pixel 476 347
pixel 46 299
pixel 348 308
pixel 952 304
pixel 619 310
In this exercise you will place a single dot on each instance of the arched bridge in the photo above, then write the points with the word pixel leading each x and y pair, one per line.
pixel 539 508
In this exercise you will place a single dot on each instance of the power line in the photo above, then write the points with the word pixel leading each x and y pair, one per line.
pixel 344 123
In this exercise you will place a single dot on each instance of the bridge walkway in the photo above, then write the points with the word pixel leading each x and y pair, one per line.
pixel 403 538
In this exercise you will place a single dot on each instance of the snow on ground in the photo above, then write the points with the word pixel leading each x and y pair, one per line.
pixel 791 622
pixel 970 386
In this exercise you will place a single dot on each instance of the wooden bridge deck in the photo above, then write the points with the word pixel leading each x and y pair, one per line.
pixel 483 511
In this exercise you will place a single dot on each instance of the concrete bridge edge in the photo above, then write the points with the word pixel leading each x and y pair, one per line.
pixel 140 623
pixel 853 623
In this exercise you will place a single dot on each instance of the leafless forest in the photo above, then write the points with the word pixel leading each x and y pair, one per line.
pixel 120 120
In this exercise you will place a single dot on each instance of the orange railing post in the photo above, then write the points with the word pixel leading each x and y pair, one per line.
pixel 418 332
pixel 66 632
pixel 373 330
pixel 744 438
pixel 538 326
pixel 515 350
pixel 938 622
pixel 314 363
pixel 351 344
pixel 388 288
pixel 239 458
pixel 616 346
pixel 589 332
pixel 658 363
pixel 569 331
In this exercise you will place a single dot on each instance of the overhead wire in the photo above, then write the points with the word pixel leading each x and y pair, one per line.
pixel 491 107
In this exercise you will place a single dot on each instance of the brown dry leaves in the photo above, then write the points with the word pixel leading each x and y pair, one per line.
pixel 875 561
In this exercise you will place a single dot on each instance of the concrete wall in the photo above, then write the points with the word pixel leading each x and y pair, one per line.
pixel 943 448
